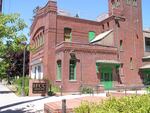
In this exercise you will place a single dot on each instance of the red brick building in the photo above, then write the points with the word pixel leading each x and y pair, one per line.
pixel 71 51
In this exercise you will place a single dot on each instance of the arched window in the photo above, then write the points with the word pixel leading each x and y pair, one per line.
pixel 59 68
pixel 72 70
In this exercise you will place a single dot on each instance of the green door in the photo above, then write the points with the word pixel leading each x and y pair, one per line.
pixel 106 77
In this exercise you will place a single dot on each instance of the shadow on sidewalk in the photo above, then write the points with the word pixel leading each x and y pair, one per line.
pixel 6 92
pixel 23 110
pixel 14 104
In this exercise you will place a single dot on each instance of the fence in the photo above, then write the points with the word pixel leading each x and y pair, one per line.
pixel 96 89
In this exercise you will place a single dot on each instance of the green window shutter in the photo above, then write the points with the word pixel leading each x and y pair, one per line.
pixel 58 70
pixel 75 67
pixel 91 36
pixel 72 70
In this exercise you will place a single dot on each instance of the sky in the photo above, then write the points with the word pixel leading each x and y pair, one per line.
pixel 88 9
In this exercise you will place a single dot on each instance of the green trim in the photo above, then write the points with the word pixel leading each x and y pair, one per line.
pixel 97 71
pixel 106 77
pixel 91 35
pixel 146 71
pixel 108 64
pixel 75 77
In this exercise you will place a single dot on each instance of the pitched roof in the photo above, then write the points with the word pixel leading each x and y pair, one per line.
pixel 101 36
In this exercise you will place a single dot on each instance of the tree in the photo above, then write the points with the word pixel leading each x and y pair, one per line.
pixel 11 49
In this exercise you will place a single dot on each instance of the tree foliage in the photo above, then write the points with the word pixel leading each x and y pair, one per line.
pixel 11 49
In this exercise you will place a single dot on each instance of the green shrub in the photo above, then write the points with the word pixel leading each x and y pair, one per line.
pixel 131 104
pixel 86 90
pixel 148 89
pixel 18 83
pixel 53 89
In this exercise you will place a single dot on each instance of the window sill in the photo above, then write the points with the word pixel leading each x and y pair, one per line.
pixel 72 80
pixel 58 80
pixel 121 50
pixel 122 75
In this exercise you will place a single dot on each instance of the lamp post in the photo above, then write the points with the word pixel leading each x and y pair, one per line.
pixel 23 80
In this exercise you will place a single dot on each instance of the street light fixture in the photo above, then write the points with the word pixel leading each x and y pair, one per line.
pixel 24 57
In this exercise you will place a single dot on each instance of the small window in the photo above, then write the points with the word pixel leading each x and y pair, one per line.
pixel 147 44
pixel 39 72
pixel 91 36
pixel 118 3
pixel 72 70
pixel 121 44
pixel 131 63
pixel 103 27
pixel 128 1
pixel 59 70
pixel 115 3
pixel 67 35
pixel 134 2
pixel 108 24
pixel 40 37
pixel 137 36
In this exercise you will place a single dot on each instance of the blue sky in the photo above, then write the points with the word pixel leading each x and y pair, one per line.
pixel 88 9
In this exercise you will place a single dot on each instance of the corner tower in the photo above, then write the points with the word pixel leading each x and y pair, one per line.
pixel 129 38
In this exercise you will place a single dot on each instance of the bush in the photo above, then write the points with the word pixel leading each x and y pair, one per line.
pixel 53 89
pixel 148 89
pixel 86 90
pixel 18 83
pixel 131 104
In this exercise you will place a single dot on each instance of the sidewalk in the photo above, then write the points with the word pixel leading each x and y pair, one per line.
pixel 10 103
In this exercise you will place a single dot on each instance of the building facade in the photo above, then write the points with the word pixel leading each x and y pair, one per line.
pixel 145 69
pixel 72 52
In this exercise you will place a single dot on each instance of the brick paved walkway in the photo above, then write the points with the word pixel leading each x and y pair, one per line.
pixel 56 107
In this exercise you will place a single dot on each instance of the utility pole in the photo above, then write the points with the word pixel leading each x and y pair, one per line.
pixel 1 1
